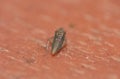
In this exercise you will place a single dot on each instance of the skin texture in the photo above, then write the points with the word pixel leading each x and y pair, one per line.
pixel 93 39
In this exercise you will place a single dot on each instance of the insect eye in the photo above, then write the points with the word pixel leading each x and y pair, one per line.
pixel 59 34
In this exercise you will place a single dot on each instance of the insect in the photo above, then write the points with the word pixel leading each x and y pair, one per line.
pixel 57 42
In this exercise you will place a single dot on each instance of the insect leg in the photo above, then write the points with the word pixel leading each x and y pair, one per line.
pixel 49 42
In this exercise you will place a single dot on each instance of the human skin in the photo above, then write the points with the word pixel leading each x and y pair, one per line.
pixel 92 33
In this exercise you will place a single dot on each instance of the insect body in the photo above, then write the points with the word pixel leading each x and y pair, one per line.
pixel 58 41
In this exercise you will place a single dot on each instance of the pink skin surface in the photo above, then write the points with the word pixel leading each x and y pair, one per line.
pixel 93 39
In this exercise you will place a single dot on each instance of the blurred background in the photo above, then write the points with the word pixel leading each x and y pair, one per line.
pixel 93 39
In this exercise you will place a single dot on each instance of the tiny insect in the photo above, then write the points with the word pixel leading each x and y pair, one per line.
pixel 57 42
